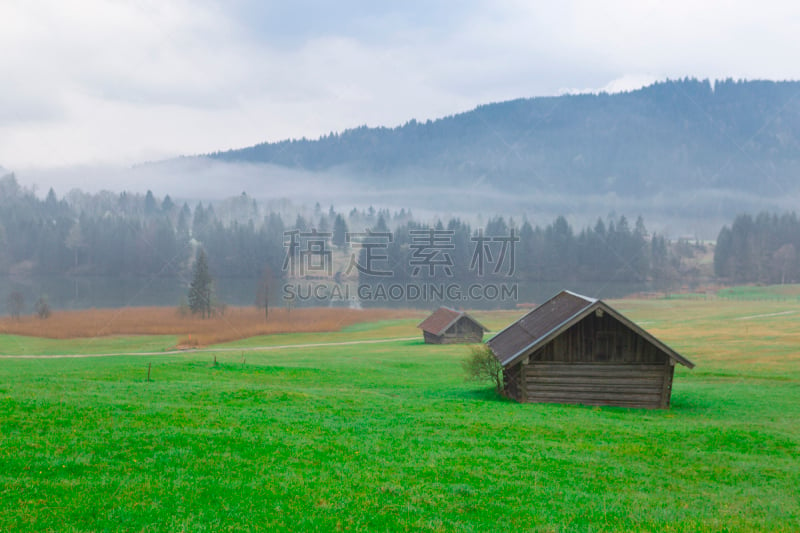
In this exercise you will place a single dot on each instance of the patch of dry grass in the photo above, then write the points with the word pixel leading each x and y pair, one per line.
pixel 236 323
pixel 719 334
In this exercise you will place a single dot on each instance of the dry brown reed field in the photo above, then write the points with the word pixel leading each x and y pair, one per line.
pixel 236 323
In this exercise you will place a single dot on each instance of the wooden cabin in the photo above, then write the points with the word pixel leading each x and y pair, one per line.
pixel 579 350
pixel 448 326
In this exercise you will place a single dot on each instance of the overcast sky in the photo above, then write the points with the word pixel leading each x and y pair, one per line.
pixel 95 82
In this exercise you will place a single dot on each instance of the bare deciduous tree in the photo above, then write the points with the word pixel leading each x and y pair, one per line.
pixel 262 291
pixel 15 304
pixel 482 365
pixel 42 308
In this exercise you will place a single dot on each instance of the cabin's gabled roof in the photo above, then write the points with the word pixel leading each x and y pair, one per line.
pixel 553 317
pixel 441 320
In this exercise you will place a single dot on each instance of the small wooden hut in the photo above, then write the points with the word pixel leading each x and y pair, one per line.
pixel 579 350
pixel 448 326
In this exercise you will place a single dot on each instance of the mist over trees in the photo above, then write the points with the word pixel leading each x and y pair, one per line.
pixel 136 235
pixel 144 236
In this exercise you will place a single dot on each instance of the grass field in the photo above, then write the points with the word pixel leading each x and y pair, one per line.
pixel 389 436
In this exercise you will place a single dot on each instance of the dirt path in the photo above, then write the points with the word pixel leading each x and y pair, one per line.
pixel 208 350
pixel 750 317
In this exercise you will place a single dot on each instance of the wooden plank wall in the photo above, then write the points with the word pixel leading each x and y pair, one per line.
pixel 463 331
pixel 596 339
pixel 430 338
pixel 625 385
pixel 460 339
pixel 464 336
pixel 512 382
pixel 598 361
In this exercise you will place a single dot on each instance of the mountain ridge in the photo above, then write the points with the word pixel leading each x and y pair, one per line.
pixel 735 135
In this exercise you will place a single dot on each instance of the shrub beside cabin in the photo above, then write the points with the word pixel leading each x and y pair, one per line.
pixel 579 350
pixel 448 326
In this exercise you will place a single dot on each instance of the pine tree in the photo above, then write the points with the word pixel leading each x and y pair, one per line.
pixel 150 205
pixel 182 227
pixel 202 287
pixel 339 231
pixel 167 205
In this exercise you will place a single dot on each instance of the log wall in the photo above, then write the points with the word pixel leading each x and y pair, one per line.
pixel 464 331
pixel 624 385
pixel 598 361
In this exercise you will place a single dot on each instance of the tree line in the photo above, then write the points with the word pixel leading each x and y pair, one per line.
pixel 139 235
pixel 610 250
pixel 760 249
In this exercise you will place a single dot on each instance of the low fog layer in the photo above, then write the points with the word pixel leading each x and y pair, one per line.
pixel 697 213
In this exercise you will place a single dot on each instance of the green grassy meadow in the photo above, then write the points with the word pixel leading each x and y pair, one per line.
pixel 20 345
pixel 389 436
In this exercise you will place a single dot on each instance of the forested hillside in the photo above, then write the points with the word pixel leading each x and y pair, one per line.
pixel 672 136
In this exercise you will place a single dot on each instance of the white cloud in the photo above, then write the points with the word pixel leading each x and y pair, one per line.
pixel 98 80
